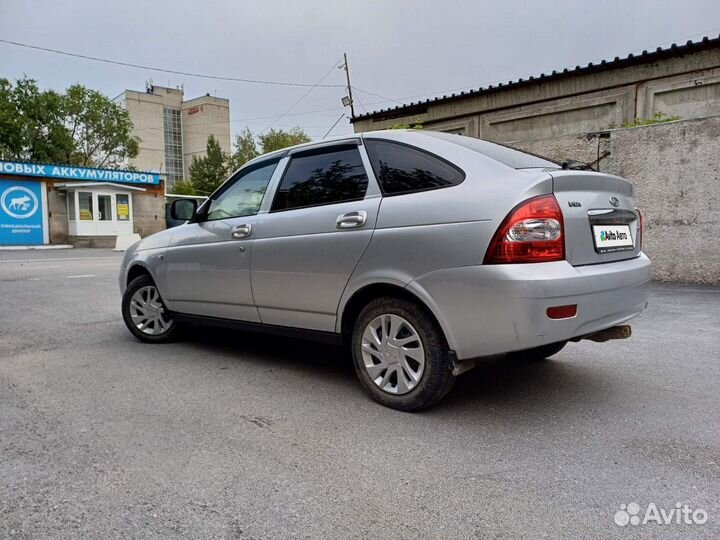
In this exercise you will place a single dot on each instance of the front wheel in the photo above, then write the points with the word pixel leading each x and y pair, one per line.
pixel 144 312
pixel 400 355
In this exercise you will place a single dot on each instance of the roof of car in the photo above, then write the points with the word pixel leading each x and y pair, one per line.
pixel 330 140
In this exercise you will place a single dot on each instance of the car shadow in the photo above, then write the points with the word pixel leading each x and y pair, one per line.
pixel 272 350
pixel 552 385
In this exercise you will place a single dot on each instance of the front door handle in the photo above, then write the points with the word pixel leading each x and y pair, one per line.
pixel 351 220
pixel 241 231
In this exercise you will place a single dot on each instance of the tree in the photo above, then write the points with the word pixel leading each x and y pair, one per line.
pixel 31 123
pixel 79 127
pixel 209 171
pixel 183 187
pixel 101 129
pixel 277 139
pixel 246 146
pixel 245 150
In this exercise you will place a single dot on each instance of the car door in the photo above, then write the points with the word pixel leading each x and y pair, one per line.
pixel 208 261
pixel 319 225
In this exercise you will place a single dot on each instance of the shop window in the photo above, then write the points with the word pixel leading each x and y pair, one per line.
pixel 123 207
pixel 85 205
pixel 71 205
pixel 104 207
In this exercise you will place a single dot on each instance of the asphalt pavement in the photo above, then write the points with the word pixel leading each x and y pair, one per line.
pixel 234 435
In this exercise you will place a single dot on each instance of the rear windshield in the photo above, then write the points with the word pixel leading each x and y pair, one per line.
pixel 504 154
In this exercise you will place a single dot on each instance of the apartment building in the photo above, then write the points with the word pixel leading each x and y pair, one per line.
pixel 172 131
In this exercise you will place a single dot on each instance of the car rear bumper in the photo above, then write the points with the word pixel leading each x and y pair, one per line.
pixel 493 309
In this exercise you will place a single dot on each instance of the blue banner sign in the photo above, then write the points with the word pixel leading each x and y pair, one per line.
pixel 22 213
pixel 64 172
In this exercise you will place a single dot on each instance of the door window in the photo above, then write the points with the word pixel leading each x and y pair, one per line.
pixel 400 168
pixel 122 206
pixel 105 207
pixel 71 205
pixel 85 205
pixel 322 177
pixel 244 195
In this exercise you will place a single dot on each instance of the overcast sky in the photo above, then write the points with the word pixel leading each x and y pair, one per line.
pixel 401 49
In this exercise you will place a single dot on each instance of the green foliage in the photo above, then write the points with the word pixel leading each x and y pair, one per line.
pixel 79 127
pixel 183 187
pixel 245 150
pixel 209 171
pixel 657 118
pixel 407 126
pixel 101 129
pixel 277 139
pixel 32 124
pixel 247 147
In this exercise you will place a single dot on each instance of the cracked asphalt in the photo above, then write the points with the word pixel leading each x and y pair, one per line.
pixel 234 435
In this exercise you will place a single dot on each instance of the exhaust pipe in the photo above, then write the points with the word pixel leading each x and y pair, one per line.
pixel 622 331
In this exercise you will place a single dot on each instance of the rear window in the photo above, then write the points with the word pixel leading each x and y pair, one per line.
pixel 504 154
pixel 400 168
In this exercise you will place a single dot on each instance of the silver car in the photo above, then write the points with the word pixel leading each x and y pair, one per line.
pixel 423 251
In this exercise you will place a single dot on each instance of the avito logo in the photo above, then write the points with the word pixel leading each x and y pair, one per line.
pixel 606 236
pixel 19 202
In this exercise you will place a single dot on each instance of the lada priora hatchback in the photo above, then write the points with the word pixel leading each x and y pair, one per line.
pixel 422 251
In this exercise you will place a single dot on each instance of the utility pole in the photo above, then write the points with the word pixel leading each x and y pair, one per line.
pixel 349 88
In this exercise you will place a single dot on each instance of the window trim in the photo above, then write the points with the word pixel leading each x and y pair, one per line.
pixel 203 211
pixel 335 146
pixel 417 149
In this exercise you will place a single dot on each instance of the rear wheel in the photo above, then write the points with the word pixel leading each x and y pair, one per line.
pixel 144 312
pixel 539 354
pixel 400 355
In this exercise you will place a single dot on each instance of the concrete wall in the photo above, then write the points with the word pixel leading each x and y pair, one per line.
pixel 202 117
pixel 686 85
pixel 57 212
pixel 149 211
pixel 675 168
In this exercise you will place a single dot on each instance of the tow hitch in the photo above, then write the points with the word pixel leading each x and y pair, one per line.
pixel 622 331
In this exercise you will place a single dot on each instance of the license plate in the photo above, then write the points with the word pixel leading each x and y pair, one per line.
pixel 612 238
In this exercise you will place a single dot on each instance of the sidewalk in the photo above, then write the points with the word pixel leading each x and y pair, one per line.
pixel 42 246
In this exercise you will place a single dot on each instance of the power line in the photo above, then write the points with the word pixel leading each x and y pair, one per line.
pixel 333 109
pixel 291 107
pixel 361 103
pixel 471 87
pixel 166 70
pixel 376 95
pixel 333 126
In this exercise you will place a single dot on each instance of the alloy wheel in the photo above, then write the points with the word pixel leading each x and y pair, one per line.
pixel 148 312
pixel 393 354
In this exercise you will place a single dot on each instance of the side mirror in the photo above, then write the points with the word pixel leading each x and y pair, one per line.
pixel 183 209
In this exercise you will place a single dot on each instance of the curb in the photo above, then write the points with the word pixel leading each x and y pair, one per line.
pixel 28 248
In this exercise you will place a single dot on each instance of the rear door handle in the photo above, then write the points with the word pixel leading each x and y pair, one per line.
pixel 351 220
pixel 241 231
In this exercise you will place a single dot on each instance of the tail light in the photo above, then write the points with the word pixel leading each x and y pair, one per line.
pixel 532 232
pixel 641 228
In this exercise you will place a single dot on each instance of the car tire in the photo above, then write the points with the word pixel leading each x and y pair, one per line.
pixel 400 355
pixel 538 354
pixel 151 323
